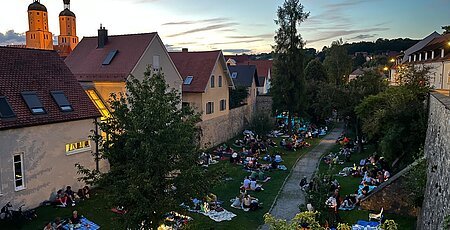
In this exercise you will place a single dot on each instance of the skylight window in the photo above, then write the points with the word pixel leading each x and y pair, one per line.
pixel 110 57
pixel 5 109
pixel 62 101
pixel 33 103
pixel 234 75
pixel 188 80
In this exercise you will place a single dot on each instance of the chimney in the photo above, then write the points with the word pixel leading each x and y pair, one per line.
pixel 185 50
pixel 102 37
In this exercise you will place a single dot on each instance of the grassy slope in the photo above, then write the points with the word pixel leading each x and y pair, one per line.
pixel 97 210
pixel 350 184
pixel 230 189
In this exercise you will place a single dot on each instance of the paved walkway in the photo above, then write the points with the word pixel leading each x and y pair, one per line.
pixel 288 201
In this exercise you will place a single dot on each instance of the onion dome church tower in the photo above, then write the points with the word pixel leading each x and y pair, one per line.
pixel 38 35
pixel 67 27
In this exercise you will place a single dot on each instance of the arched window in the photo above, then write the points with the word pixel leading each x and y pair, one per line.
pixel 220 81
pixel 212 81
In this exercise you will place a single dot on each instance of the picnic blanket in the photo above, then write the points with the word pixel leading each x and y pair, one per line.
pixel 85 225
pixel 371 187
pixel 366 225
pixel 217 216
pixel 347 208
pixel 282 167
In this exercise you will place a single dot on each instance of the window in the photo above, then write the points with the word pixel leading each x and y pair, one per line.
pixel 209 107
pixel 98 103
pixel 5 109
pixel 223 105
pixel 33 103
pixel 212 81
pixel 156 65
pixel 62 101
pixel 188 80
pixel 234 75
pixel 37 13
pixel 220 81
pixel 78 147
pixel 110 57
pixel 19 183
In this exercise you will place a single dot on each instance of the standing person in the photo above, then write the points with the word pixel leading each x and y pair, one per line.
pixel 303 183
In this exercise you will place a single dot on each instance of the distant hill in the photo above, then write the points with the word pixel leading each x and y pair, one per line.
pixel 381 45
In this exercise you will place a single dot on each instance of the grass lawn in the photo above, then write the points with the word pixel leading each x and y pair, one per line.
pixel 97 209
pixel 230 189
pixel 349 186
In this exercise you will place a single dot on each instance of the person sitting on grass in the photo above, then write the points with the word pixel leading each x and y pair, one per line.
pixel 250 203
pixel 61 199
pixel 84 193
pixel 74 221
pixel 278 158
pixel 58 224
pixel 49 226
pixel 254 186
pixel 254 174
pixel 246 184
pixel 70 195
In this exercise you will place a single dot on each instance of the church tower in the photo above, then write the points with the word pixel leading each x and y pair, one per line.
pixel 67 27
pixel 38 35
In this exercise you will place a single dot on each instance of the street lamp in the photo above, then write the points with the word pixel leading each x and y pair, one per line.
pixel 385 68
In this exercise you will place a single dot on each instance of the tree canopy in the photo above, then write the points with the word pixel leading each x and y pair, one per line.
pixel 288 84
pixel 337 63
pixel 152 148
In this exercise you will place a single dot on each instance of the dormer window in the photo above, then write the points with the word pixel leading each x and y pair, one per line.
pixel 33 103
pixel 5 108
pixel 188 80
pixel 61 99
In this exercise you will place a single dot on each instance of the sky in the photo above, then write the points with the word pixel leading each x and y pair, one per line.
pixel 236 26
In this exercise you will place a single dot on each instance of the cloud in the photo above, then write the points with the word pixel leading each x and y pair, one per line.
pixel 339 33
pixel 11 37
pixel 205 28
pixel 237 42
pixel 237 51
pixel 210 20
pixel 251 36
pixel 363 36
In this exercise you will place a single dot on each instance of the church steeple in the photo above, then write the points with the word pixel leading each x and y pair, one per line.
pixel 67 27
pixel 38 35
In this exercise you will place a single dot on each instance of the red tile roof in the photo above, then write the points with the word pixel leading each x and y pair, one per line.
pixel 263 67
pixel 86 59
pixel 200 65
pixel 240 59
pixel 40 71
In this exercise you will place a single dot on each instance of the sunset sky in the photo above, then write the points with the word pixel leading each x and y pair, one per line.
pixel 236 25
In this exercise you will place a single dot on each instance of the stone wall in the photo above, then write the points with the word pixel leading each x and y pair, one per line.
pixel 391 196
pixel 220 129
pixel 436 205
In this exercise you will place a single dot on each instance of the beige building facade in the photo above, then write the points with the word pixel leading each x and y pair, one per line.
pixel 45 156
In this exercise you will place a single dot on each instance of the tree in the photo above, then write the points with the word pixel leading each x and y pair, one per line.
pixel 338 63
pixel 446 29
pixel 358 61
pixel 315 71
pixel 396 119
pixel 238 96
pixel 152 148
pixel 288 84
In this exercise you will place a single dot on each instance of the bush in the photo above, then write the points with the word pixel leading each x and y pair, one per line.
pixel 261 124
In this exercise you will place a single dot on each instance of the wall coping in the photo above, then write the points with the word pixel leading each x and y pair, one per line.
pixel 444 99
pixel 393 179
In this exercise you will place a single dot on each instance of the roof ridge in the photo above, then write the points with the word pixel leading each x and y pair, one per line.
pixel 121 35
pixel 208 51
pixel 25 48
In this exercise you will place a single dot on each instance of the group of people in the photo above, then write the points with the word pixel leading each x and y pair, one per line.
pixel 69 197
pixel 74 222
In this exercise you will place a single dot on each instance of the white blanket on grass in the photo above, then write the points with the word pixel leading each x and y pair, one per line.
pixel 217 216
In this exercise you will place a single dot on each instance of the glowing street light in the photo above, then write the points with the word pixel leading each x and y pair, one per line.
pixel 392 60
pixel 385 68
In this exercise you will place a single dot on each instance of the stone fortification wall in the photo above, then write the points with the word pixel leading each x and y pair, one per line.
pixel 220 129
pixel 436 205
